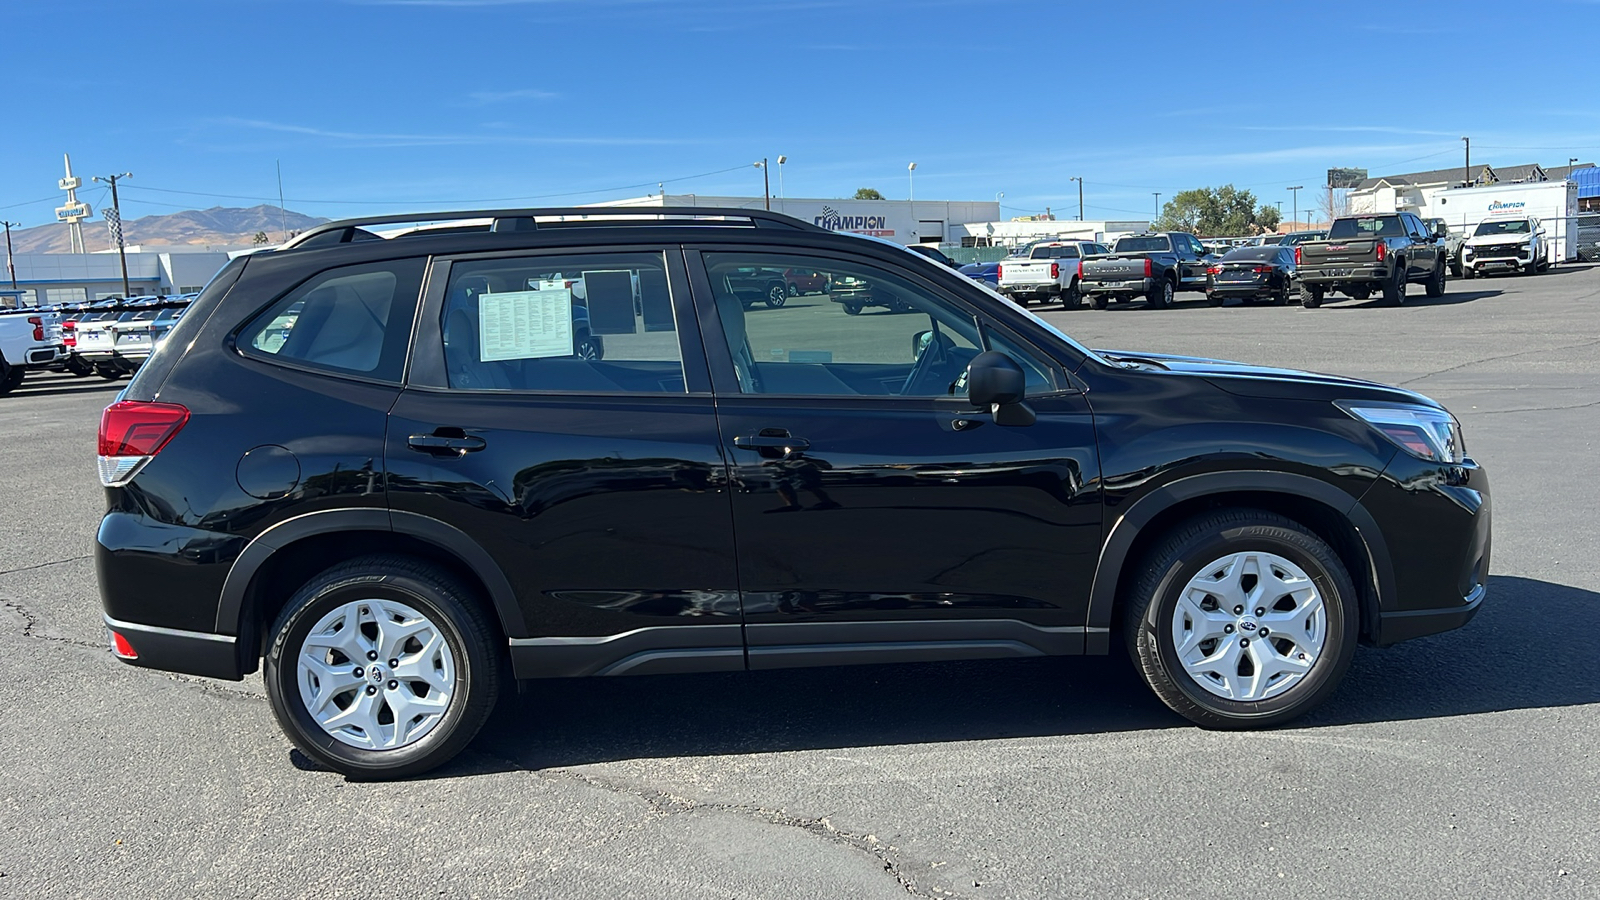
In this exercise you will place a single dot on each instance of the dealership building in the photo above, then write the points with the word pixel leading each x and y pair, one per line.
pixel 901 221
pixel 48 279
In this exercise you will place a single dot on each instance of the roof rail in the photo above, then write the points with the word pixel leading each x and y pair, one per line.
pixel 345 231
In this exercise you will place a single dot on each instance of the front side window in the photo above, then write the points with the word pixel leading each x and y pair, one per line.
pixel 873 333
pixel 570 323
pixel 354 320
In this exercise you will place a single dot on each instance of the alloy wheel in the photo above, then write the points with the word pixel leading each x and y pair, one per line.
pixel 1249 626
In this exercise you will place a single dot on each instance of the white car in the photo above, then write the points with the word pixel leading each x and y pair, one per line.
pixel 1513 245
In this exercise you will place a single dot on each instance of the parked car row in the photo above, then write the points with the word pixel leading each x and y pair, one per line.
pixel 109 338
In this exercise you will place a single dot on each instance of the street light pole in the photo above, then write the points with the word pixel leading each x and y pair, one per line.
pixel 122 253
pixel 1158 203
pixel 10 267
pixel 911 183
pixel 1294 191
pixel 766 183
pixel 1079 180
pixel 1468 165
pixel 781 160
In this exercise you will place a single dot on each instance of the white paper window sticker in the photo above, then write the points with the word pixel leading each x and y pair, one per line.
pixel 525 325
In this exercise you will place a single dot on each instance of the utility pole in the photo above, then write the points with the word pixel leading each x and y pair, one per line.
pixel 283 217
pixel 766 183
pixel 122 253
pixel 1295 192
pixel 8 265
pixel 1158 203
pixel 1468 180
pixel 1079 180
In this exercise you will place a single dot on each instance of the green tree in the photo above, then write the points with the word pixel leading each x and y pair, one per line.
pixel 1268 217
pixel 260 238
pixel 868 194
pixel 1215 212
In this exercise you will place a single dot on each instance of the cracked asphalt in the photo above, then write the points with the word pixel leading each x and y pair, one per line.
pixel 1458 765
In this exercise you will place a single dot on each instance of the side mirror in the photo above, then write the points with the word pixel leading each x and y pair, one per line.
pixel 1441 230
pixel 919 342
pixel 995 382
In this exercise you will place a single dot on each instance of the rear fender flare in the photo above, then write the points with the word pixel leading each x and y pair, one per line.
pixel 447 538
pixel 1120 541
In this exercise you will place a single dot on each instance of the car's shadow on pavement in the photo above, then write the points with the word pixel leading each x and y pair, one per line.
pixel 68 388
pixel 1451 297
pixel 1531 647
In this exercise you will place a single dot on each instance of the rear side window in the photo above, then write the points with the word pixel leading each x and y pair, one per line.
pixel 354 320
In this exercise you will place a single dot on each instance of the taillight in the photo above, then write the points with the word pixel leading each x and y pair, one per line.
pixel 1080 270
pixel 1148 268
pixel 1213 270
pixel 132 432
pixel 38 327
pixel 1297 255
pixel 1262 269
pixel 999 272
pixel 1055 270
pixel 1383 251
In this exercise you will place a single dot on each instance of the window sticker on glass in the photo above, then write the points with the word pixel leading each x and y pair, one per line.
pixel 525 324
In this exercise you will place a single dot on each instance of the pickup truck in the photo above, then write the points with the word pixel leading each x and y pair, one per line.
pixel 1515 245
pixel 1155 266
pixel 1382 252
pixel 1452 243
pixel 1046 270
pixel 29 339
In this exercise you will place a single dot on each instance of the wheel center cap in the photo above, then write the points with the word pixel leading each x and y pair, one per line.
pixel 375 674
pixel 1248 626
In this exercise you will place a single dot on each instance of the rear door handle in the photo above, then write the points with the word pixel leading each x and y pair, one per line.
pixel 770 442
pixel 446 445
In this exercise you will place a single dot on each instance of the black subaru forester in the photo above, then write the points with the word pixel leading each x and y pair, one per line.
pixel 404 465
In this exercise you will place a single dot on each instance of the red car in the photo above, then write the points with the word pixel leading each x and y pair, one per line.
pixel 801 281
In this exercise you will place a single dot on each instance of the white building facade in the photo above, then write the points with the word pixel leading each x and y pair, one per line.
pixel 901 221
pixel 48 279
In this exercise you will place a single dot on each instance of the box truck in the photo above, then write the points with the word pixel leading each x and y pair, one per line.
pixel 1553 203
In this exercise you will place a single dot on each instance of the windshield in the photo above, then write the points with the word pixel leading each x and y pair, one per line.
pixel 1519 226
pixel 1140 245
pixel 1366 227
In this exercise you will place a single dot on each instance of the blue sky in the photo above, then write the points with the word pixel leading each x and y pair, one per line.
pixel 402 105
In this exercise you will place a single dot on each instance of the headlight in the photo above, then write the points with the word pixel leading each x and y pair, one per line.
pixel 1422 431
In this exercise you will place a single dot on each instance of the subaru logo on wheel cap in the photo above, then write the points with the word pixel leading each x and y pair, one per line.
pixel 1247 625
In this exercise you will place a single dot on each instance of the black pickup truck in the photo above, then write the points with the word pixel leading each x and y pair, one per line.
pixel 1154 266
pixel 1380 253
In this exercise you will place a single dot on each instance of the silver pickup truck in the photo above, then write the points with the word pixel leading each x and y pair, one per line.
pixel 1046 270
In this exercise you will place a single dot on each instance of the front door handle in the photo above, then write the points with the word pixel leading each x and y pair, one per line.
pixel 770 442
pixel 446 444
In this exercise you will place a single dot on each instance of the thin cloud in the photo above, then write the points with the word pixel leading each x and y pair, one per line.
pixel 382 139
pixel 486 98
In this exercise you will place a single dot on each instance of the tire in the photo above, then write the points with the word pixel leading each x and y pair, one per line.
pixel 1436 280
pixel 109 373
pixel 794 290
pixel 1394 290
pixel 78 367
pixel 1097 301
pixel 1218 301
pixel 1456 269
pixel 590 347
pixel 1469 274
pixel 777 295
pixel 458 658
pixel 1072 298
pixel 1170 617
pixel 852 309
pixel 1310 297
pixel 1160 296
pixel 11 379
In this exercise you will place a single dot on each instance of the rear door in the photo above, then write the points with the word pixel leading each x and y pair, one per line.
pixel 559 414
pixel 878 515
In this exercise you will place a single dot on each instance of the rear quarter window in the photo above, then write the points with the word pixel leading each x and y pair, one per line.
pixel 353 320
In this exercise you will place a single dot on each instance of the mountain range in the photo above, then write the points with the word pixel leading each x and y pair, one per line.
pixel 218 226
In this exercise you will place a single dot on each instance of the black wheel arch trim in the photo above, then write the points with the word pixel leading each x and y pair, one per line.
pixel 451 540
pixel 1119 542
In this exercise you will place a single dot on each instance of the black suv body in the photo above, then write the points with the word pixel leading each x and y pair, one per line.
pixel 385 467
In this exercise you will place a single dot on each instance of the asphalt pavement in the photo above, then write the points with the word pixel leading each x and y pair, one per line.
pixel 1460 765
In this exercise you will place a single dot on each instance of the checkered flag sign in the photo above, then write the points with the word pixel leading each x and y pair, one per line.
pixel 114 225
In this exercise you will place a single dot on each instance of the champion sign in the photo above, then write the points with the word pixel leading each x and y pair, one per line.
pixel 1498 206
pixel 877 226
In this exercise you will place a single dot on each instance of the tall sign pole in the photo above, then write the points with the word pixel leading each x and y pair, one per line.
pixel 10 266
pixel 122 253
pixel 74 212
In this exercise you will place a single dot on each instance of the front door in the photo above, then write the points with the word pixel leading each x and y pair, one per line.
pixel 559 415
pixel 878 515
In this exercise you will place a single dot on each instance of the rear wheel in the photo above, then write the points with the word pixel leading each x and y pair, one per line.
pixel 382 667
pixel 1310 297
pixel 852 309
pixel 1097 301
pixel 794 290
pixel 1071 298
pixel 1436 280
pixel 78 367
pixel 11 377
pixel 1160 296
pixel 1242 619
pixel 777 295
pixel 1394 289
pixel 108 372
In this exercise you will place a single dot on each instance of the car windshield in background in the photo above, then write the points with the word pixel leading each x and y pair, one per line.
pixel 1519 226
pixel 1366 227
pixel 1253 254
pixel 1141 245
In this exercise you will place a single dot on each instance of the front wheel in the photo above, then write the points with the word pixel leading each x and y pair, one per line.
pixel 12 379
pixel 777 295
pixel 382 667
pixel 1097 301
pixel 1242 619
pixel 852 309
pixel 1436 280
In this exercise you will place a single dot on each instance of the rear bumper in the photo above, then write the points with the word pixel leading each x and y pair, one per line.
pixel 174 650
pixel 1031 290
pixel 45 357
pixel 1364 274
pixel 1240 290
pixel 1136 286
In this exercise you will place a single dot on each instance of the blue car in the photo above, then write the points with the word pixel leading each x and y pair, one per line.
pixel 986 272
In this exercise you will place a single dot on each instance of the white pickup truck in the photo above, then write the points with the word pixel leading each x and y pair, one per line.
pixel 1046 270
pixel 29 339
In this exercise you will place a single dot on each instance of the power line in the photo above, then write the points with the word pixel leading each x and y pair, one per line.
pixel 31 202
